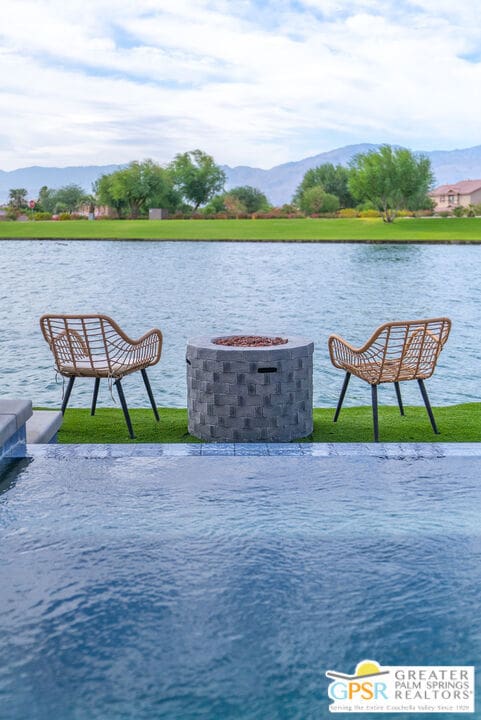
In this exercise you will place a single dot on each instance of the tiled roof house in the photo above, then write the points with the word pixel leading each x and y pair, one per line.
pixel 464 193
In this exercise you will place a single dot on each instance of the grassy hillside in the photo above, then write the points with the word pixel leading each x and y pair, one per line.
pixel 305 229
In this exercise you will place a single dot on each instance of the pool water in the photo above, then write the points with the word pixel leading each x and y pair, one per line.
pixel 225 587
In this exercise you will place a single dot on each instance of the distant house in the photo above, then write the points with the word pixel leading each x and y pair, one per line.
pixel 464 193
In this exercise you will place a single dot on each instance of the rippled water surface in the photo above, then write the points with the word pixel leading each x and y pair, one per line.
pixel 188 588
pixel 187 289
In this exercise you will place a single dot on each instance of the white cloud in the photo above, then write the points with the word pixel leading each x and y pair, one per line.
pixel 100 81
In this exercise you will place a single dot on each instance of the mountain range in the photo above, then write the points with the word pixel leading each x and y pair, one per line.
pixel 278 183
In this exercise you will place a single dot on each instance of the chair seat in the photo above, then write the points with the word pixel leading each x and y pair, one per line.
pixel 375 372
pixel 99 367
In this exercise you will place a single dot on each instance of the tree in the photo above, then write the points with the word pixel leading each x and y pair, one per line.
pixel 317 200
pixel 251 198
pixel 234 206
pixel 391 178
pixel 196 176
pixel 334 180
pixel 69 198
pixel 17 198
pixel 104 194
pixel 65 199
pixel 46 200
pixel 136 188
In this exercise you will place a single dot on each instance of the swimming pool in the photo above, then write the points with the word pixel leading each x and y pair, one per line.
pixel 225 587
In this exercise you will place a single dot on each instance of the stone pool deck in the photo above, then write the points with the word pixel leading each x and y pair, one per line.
pixel 17 440
pixel 379 450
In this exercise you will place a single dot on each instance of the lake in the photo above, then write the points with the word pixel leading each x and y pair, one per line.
pixel 195 288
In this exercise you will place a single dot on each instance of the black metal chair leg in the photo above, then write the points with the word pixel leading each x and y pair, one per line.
pixel 94 399
pixel 399 398
pixel 428 406
pixel 375 412
pixel 150 393
pixel 66 397
pixel 341 396
pixel 120 391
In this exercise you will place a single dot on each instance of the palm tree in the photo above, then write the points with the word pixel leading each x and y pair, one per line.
pixel 17 198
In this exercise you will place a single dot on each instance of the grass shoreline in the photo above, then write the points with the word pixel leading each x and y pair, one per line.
pixel 457 423
pixel 316 230
pixel 325 241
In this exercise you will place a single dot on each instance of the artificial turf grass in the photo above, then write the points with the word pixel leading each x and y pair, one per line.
pixel 457 423
pixel 444 230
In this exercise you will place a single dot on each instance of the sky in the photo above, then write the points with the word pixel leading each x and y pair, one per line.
pixel 251 82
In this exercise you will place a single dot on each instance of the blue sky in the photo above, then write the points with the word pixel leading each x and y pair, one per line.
pixel 251 82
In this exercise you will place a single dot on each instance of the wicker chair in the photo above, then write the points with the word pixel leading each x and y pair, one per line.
pixel 95 346
pixel 397 351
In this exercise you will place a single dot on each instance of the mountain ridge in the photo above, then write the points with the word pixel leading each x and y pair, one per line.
pixel 279 182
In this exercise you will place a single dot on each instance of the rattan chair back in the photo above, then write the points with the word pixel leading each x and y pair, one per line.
pixel 95 346
pixel 397 351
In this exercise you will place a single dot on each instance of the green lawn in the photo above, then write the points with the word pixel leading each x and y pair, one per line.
pixel 306 229
pixel 457 423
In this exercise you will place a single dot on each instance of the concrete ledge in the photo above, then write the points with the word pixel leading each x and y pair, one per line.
pixel 43 426
pixel 13 416
pixel 20 409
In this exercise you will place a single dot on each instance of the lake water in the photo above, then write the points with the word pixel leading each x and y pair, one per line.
pixel 189 289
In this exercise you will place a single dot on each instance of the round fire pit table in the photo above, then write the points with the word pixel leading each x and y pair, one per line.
pixel 249 393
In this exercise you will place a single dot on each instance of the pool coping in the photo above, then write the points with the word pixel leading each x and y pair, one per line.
pixel 379 450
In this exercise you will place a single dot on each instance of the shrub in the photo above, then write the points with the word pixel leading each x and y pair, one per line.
pixel 43 216
pixel 458 211
pixel 274 214
pixel 423 213
pixel 444 213
pixel 475 209
pixel 64 216
pixel 316 200
pixel 369 213
pixel 404 213
pixel 286 212
pixel 367 205
pixel 78 216
pixel 290 209
pixel 348 213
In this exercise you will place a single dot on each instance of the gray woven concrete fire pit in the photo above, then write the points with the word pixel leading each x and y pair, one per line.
pixel 249 393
